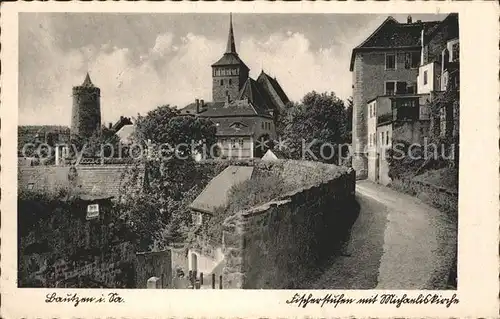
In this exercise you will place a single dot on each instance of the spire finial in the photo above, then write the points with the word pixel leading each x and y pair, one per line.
pixel 231 47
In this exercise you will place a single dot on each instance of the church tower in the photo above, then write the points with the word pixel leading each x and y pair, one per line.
pixel 86 111
pixel 229 73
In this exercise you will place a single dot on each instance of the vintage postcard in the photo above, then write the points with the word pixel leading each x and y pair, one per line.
pixel 250 159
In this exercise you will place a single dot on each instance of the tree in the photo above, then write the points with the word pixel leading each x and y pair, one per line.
pixel 185 135
pixel 105 141
pixel 315 128
pixel 349 110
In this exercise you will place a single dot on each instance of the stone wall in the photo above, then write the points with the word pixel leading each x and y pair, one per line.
pixel 278 244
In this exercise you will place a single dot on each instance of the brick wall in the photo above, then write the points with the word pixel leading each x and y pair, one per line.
pixel 277 244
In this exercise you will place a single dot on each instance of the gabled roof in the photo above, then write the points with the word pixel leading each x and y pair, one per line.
pixel 91 182
pixel 394 35
pixel 450 20
pixel 121 122
pixel 226 126
pixel 252 91
pixel 216 193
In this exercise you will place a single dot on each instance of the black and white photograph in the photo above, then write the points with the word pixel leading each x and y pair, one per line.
pixel 315 155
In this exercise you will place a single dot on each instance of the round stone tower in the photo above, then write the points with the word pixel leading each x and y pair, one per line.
pixel 86 111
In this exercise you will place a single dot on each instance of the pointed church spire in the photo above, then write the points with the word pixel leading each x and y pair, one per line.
pixel 87 82
pixel 231 47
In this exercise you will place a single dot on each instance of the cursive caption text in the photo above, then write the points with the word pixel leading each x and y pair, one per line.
pixel 76 299
pixel 303 300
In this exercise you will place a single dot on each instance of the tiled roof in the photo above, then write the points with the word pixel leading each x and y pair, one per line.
pixel 215 195
pixel 28 133
pixel 230 59
pixel 121 122
pixel 91 182
pixel 252 91
pixel 264 79
pixel 190 109
pixel 235 126
pixel 234 108
pixel 392 35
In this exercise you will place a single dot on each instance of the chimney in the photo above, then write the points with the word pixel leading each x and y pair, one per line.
pixel 408 20
pixel 202 102
pixel 110 125
pixel 197 106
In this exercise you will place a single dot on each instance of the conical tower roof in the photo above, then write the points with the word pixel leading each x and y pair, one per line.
pixel 87 82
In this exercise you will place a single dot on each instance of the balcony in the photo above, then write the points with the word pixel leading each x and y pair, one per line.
pixel 384 118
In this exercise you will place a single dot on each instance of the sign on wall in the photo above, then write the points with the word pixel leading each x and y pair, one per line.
pixel 92 211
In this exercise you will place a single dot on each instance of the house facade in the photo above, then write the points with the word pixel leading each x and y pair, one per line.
pixel 397 73
pixel 386 63
pixel 243 109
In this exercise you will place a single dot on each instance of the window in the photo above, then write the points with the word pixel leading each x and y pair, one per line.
pixel 233 143
pixel 389 88
pixel 455 52
pixel 387 138
pixel 382 139
pixel 390 61
pixel 221 82
pixel 401 87
pixel 263 126
pixel 30 186
pixel 411 88
pixel 412 60
pixel 240 142
pixel 425 77
pixel 230 82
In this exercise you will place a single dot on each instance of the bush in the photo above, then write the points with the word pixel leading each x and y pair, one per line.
pixel 261 189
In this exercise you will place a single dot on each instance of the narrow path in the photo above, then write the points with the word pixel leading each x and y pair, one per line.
pixel 360 270
pixel 397 242
pixel 419 241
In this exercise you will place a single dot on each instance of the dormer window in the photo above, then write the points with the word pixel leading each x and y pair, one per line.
pixel 237 125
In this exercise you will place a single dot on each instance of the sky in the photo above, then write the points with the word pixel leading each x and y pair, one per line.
pixel 141 61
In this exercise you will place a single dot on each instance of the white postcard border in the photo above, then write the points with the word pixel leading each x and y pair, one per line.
pixel 478 235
